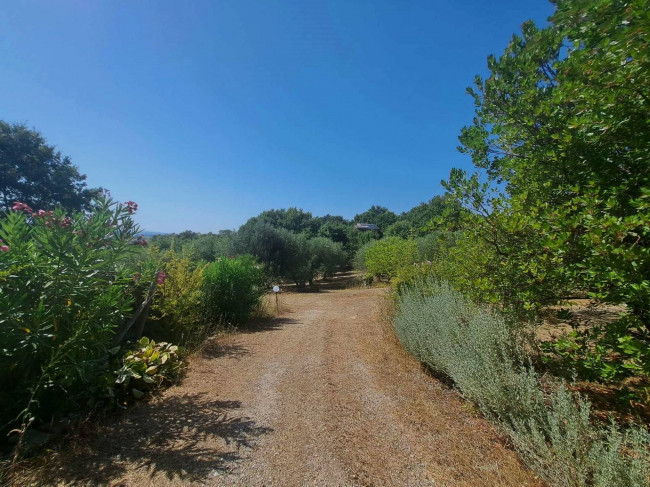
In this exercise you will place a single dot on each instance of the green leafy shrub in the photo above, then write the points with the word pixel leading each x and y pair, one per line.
pixel 176 314
pixel 231 289
pixel 607 353
pixel 412 275
pixel 65 286
pixel 385 257
pixel 432 245
pixel 146 367
pixel 548 425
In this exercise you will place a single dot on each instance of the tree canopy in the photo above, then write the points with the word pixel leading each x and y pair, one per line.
pixel 561 143
pixel 35 173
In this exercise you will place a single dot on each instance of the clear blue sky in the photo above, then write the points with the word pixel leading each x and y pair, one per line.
pixel 208 112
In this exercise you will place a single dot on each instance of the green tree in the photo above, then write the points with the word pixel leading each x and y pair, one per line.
pixel 561 197
pixel 34 173
pixel 420 217
pixel 293 219
pixel 384 258
pixel 401 228
pixel 562 138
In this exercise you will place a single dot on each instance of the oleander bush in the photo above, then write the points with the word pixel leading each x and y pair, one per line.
pixel 486 359
pixel 66 285
pixel 232 288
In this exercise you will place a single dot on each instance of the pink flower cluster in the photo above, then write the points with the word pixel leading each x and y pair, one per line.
pixel 131 207
pixel 18 206
pixel 22 207
pixel 3 248
pixel 42 214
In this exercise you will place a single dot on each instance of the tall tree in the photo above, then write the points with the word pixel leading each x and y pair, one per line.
pixel 33 172
pixel 561 139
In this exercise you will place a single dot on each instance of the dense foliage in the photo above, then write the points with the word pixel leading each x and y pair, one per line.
pixel 177 312
pixel 384 258
pixel 66 287
pixel 560 203
pixel 232 287
pixel 78 293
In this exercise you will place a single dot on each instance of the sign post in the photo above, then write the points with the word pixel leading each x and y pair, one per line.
pixel 276 290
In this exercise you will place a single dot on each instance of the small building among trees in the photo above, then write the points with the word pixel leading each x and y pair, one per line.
pixel 365 227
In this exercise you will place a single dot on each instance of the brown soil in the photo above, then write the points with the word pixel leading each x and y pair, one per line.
pixel 586 314
pixel 322 396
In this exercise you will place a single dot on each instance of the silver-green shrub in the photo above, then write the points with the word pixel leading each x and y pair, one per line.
pixel 549 426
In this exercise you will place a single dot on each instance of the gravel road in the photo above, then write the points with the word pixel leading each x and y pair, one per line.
pixel 322 396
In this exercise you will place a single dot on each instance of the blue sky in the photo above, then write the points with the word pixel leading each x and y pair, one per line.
pixel 209 112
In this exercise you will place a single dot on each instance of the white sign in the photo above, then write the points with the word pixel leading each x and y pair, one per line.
pixel 276 289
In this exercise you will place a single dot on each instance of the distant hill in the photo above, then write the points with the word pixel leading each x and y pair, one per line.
pixel 151 234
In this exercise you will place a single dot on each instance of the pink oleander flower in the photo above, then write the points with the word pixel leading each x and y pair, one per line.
pixel 18 206
pixel 43 213
pixel 4 248
pixel 66 222
pixel 161 278
pixel 131 207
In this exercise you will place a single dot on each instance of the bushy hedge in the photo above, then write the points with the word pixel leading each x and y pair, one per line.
pixel 384 258
pixel 75 296
pixel 549 426
pixel 232 287
pixel 177 313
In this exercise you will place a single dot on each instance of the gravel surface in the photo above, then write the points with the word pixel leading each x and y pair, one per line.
pixel 322 396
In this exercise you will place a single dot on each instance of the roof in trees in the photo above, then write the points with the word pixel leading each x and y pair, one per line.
pixel 366 226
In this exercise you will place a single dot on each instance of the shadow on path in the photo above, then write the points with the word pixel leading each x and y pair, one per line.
pixel 267 325
pixel 186 437
pixel 216 348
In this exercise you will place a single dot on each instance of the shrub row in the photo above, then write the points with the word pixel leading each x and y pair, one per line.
pixel 548 425
pixel 77 295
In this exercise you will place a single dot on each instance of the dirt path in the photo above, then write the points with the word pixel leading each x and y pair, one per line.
pixel 321 397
